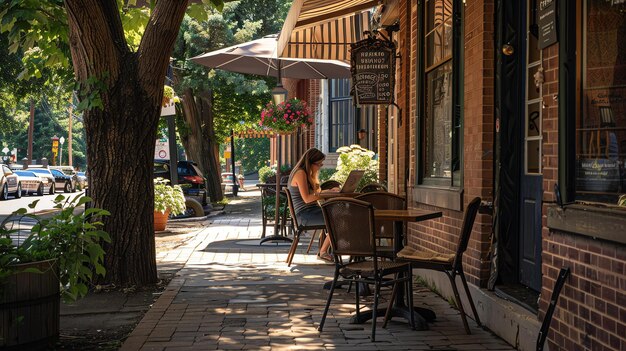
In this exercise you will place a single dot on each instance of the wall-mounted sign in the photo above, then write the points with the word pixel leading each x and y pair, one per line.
pixel 162 149
pixel 546 20
pixel 373 67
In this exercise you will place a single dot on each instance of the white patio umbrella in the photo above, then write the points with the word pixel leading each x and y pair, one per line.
pixel 260 57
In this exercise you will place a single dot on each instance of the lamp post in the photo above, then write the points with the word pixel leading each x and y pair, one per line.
pixel 279 95
pixel 61 142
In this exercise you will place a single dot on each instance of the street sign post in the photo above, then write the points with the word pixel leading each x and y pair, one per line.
pixel 55 148
pixel 61 142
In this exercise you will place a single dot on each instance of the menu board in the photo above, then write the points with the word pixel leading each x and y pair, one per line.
pixel 372 64
pixel 546 19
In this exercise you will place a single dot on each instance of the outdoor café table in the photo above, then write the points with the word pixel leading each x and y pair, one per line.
pixel 276 236
pixel 400 309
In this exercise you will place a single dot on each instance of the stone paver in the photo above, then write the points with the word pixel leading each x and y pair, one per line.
pixel 232 294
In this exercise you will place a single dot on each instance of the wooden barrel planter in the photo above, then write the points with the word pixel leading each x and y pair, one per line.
pixel 160 220
pixel 30 307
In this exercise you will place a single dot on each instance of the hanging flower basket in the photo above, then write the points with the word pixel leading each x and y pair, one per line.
pixel 286 117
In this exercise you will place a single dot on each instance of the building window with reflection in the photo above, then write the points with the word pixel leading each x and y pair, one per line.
pixel 440 124
pixel 341 113
pixel 601 114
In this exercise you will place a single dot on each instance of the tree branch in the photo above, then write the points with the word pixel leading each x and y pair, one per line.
pixel 157 44
pixel 96 38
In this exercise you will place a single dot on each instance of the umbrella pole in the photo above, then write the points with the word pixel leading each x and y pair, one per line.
pixel 276 236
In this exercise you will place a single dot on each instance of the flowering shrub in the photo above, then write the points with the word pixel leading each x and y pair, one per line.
pixel 354 157
pixel 286 116
pixel 168 197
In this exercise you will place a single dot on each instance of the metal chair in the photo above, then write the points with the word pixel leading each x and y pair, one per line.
pixel 297 228
pixel 450 264
pixel 327 185
pixel 268 204
pixel 383 200
pixel 350 225
pixel 372 187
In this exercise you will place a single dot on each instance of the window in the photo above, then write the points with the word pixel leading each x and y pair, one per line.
pixel 441 117
pixel 342 113
pixel 601 113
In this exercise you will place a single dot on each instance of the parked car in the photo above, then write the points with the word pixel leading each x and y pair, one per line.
pixel 31 183
pixel 45 173
pixel 9 184
pixel 64 181
pixel 82 180
pixel 190 178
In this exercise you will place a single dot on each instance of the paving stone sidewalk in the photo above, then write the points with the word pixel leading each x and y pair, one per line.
pixel 233 294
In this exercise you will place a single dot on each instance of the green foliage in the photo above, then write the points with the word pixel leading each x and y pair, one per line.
pixel 265 173
pixel 252 152
pixel 286 116
pixel 326 174
pixel 168 197
pixel 354 157
pixel 70 236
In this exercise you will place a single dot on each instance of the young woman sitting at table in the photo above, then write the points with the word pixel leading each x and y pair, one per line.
pixel 304 186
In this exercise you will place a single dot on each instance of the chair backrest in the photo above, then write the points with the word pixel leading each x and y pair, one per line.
pixel 329 184
pixel 372 187
pixel 466 230
pixel 350 225
pixel 284 179
pixel 292 212
pixel 383 200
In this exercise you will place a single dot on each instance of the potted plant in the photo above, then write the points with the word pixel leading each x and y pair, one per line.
pixel 167 200
pixel 286 117
pixel 55 258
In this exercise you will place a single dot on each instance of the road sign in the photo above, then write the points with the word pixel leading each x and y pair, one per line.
pixel 62 140
pixel 162 149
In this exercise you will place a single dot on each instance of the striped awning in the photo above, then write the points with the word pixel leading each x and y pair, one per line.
pixel 324 29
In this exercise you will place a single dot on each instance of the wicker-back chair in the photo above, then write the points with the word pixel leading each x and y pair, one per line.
pixel 382 200
pixel 350 225
pixel 371 187
pixel 297 228
pixel 330 184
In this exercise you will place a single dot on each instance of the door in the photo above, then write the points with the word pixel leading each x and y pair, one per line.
pixel 531 179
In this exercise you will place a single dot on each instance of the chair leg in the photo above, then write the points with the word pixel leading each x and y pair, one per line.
pixel 311 242
pixel 358 306
pixel 375 310
pixel 458 301
pixel 469 297
pixel 394 291
pixel 293 248
pixel 409 296
pixel 330 296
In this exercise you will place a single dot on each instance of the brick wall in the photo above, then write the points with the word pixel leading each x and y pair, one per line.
pixel 591 313
pixel 312 98
pixel 442 234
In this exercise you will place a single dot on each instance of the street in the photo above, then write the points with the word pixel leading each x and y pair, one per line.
pixel 45 203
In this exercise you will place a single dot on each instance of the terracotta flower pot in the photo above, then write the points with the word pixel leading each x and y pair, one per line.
pixel 160 220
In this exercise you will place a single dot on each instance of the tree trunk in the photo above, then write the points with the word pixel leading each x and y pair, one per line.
pixel 200 142
pixel 125 91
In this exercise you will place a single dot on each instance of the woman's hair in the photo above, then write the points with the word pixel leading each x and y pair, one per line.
pixel 305 163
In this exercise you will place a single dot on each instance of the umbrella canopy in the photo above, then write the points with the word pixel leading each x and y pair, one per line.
pixel 259 57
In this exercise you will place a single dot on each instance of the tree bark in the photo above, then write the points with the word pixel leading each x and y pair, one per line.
pixel 200 142
pixel 121 134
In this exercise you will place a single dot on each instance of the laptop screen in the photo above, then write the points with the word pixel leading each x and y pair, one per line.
pixel 353 180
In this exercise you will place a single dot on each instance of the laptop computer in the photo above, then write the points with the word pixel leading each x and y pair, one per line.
pixel 353 180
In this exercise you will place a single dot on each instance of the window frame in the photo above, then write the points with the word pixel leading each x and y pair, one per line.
pixel 348 129
pixel 570 101
pixel 454 184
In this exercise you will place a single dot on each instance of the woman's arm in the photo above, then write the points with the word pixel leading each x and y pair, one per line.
pixel 300 180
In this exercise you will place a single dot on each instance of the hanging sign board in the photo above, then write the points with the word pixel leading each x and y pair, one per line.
pixel 546 20
pixel 373 67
